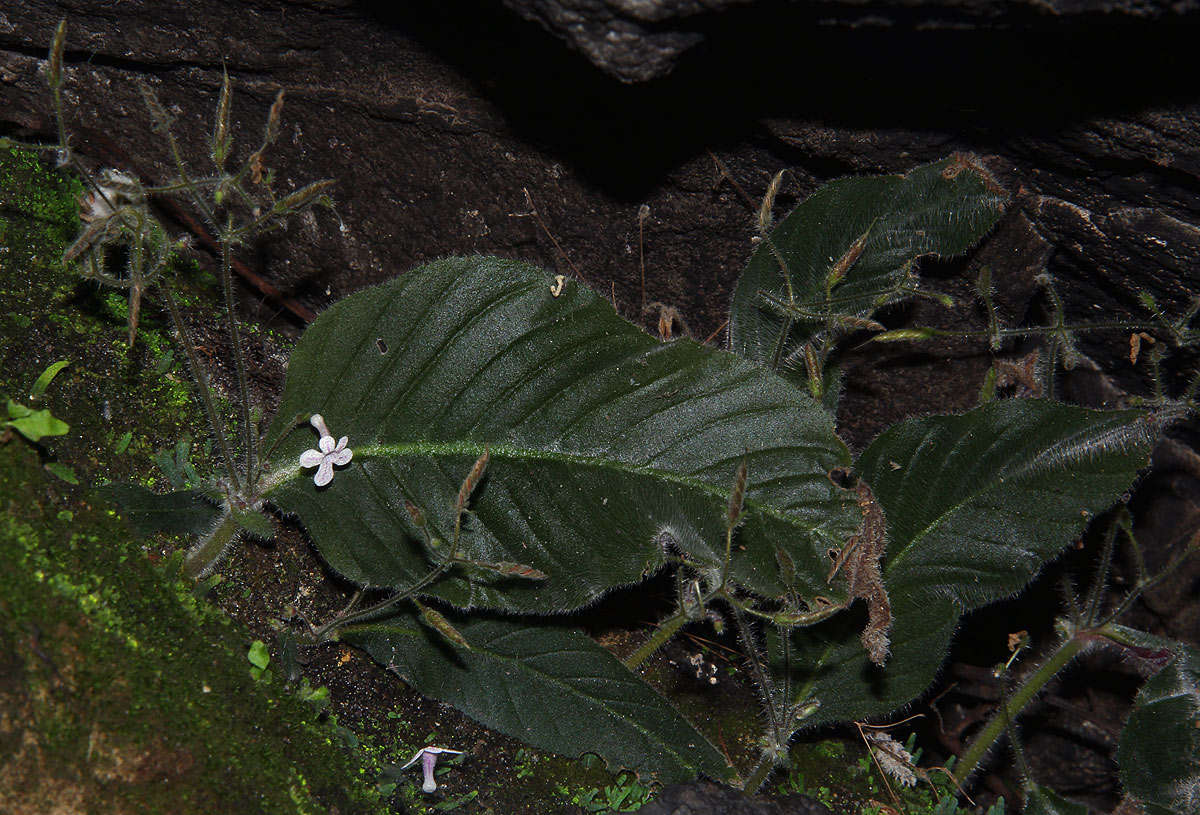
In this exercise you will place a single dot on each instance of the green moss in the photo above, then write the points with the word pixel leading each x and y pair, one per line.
pixel 132 681
pixel 120 691
pixel 109 389
pixel 47 199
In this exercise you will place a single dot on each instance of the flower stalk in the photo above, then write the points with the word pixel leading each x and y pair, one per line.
pixel 1012 706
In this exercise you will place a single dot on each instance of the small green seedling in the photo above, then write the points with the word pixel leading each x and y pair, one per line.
pixel 34 425
pixel 259 658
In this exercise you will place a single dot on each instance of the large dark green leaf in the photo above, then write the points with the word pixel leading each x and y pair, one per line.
pixel 609 450
pixel 184 512
pixel 1159 752
pixel 941 208
pixel 975 505
pixel 553 688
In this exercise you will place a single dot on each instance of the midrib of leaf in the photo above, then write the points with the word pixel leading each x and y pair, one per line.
pixel 1121 435
pixel 1040 463
pixel 499 452
pixel 525 665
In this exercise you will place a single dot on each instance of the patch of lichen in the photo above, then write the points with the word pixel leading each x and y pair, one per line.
pixel 120 690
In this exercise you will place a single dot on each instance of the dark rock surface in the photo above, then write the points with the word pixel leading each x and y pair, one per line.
pixel 706 798
pixel 641 40
pixel 632 40
pixel 436 122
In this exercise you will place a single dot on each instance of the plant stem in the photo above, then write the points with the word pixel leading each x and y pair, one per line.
pixel 239 360
pixel 759 775
pixel 1011 707
pixel 666 629
pixel 369 611
pixel 1144 584
pixel 746 634
pixel 210 408
pixel 436 574
pixel 1033 331
pixel 201 559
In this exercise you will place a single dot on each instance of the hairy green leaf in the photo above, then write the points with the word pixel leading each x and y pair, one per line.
pixel 845 251
pixel 608 451
pixel 186 512
pixel 1041 800
pixel 551 687
pixel 975 505
pixel 254 523
pixel 1159 752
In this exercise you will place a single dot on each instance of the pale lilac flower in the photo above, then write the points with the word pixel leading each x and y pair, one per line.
pixel 428 757
pixel 328 454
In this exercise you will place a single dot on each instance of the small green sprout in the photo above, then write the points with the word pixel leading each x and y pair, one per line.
pixel 259 658
pixel 34 425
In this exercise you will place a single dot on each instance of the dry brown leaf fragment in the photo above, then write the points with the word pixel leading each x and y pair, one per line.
pixel 1020 373
pixel 669 318
pixel 859 560
pixel 1135 345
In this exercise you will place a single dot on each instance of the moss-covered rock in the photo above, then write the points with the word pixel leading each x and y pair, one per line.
pixel 120 690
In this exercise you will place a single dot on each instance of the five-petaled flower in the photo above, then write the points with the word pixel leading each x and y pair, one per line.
pixel 329 454
pixel 428 757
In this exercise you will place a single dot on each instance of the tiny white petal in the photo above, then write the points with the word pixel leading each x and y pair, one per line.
pixel 311 458
pixel 327 444
pixel 341 457
pixel 324 473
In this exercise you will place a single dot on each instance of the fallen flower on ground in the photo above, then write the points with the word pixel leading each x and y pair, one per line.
pixel 428 757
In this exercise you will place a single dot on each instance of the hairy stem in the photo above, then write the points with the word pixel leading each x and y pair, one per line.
pixel 1037 331
pixel 758 776
pixel 239 360
pixel 344 619
pixel 210 408
pixel 203 557
pixel 666 629
pixel 1011 708
pixel 372 610
pixel 746 634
